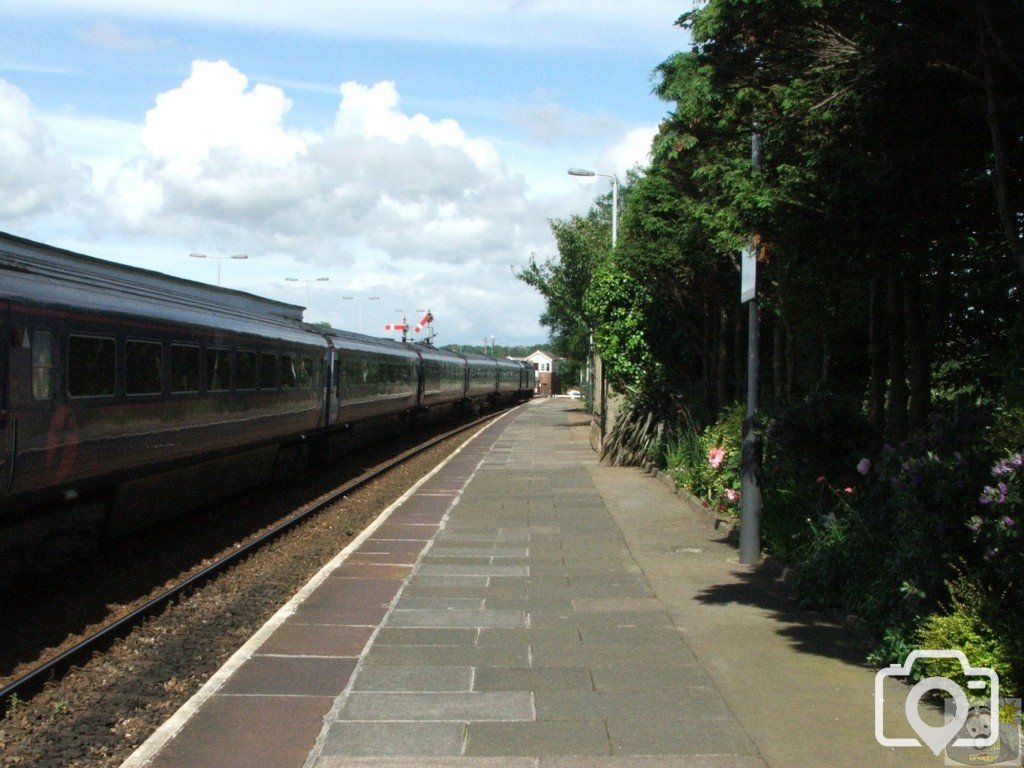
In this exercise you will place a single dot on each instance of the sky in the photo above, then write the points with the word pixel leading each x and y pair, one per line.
pixel 411 150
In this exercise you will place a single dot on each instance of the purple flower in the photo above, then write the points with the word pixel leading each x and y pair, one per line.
pixel 990 553
pixel 1009 522
pixel 975 524
pixel 864 466
pixel 1017 461
pixel 1002 469
pixel 990 495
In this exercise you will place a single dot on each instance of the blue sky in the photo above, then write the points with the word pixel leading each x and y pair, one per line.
pixel 409 150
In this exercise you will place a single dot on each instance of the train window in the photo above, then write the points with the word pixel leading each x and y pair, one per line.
pixel 42 365
pixel 218 369
pixel 305 374
pixel 92 366
pixel 289 371
pixel 268 370
pixel 143 367
pixel 245 370
pixel 184 368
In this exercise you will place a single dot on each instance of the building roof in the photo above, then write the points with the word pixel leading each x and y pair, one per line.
pixel 541 356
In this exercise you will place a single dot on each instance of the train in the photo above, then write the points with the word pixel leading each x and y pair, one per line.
pixel 127 395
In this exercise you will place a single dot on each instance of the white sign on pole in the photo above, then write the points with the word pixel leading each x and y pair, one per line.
pixel 748 276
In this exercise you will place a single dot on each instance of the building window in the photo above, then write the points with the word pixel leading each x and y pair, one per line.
pixel 545 367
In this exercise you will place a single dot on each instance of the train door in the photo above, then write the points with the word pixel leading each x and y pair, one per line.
pixel 6 422
pixel 331 376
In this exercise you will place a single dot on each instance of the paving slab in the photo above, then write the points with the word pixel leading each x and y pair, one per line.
pixel 415 679
pixel 376 738
pixel 504 706
pixel 551 737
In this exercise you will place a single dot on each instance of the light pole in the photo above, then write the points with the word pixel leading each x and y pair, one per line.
pixel 615 197
pixel 218 259
pixel 360 306
pixel 307 281
pixel 615 237
pixel 750 459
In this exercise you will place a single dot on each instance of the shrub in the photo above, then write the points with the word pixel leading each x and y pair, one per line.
pixel 884 546
pixel 707 462
pixel 811 450
pixel 972 625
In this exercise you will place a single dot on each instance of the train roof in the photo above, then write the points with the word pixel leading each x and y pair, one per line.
pixel 350 340
pixel 430 351
pixel 39 273
pixel 478 359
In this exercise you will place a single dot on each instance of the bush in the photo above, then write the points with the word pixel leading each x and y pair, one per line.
pixel 707 462
pixel 812 449
pixel 972 625
pixel 885 546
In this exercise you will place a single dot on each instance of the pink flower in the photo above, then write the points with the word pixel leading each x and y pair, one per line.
pixel 864 466
pixel 821 479
pixel 716 456
pixel 847 489
pixel 732 495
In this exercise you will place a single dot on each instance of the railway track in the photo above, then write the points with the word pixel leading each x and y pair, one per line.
pixel 29 684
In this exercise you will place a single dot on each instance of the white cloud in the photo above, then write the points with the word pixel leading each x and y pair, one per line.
pixel 387 202
pixel 214 111
pixel 632 149
pixel 218 155
pixel 36 178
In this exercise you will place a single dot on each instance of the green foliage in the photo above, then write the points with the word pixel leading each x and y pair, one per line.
pixel 971 624
pixel 582 245
pixel 619 306
pixel 1007 431
pixel 642 429
pixel 883 546
pixel 707 461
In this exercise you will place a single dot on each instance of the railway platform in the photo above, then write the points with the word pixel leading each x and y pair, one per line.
pixel 524 606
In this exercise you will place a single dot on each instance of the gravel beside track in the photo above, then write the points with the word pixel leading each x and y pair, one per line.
pixel 99 713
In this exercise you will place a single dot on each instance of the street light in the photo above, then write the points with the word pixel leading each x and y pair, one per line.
pixel 590 357
pixel 360 306
pixel 218 259
pixel 615 196
pixel 307 281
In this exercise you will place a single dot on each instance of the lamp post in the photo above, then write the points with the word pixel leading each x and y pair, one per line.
pixel 360 306
pixel 218 259
pixel 750 460
pixel 615 196
pixel 307 281
pixel 615 236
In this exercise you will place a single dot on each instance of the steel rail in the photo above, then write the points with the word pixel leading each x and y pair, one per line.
pixel 32 683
